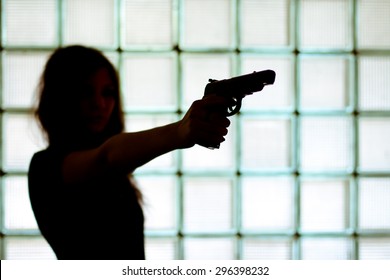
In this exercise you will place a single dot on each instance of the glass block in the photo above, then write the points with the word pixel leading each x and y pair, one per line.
pixel 30 22
pixel 278 96
pixel 265 143
pixel 209 248
pixel 17 208
pixel 374 207
pixel 136 123
pixel 325 24
pixel 159 201
pixel 255 15
pixel 324 83
pixel 326 248
pixel 21 139
pixel 27 248
pixel 197 69
pixel 201 158
pixel 267 203
pixel 326 144
pixel 371 248
pixel 207 24
pixel 374 83
pixel 324 205
pixel 141 19
pixel 149 82
pixel 208 204
pixel 161 248
pixel 373 24
pixel 90 22
pixel 19 93
pixel 266 249
pixel 374 143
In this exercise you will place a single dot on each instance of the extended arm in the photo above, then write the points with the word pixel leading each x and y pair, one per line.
pixel 127 151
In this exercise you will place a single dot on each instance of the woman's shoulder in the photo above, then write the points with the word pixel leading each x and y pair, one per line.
pixel 45 169
pixel 40 156
pixel 47 159
pixel 49 153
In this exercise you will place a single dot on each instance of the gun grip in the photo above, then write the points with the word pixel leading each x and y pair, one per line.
pixel 213 111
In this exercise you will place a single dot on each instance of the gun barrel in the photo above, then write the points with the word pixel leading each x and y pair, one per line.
pixel 241 85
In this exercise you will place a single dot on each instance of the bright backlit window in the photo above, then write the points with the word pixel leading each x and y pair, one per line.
pixel 305 170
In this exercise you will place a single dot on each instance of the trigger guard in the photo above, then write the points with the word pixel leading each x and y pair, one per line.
pixel 232 110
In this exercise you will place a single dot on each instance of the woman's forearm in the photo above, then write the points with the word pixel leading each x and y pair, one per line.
pixel 128 151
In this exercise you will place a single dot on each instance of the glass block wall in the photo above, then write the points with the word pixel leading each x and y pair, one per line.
pixel 305 170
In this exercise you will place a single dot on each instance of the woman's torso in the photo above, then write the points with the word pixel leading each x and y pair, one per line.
pixel 99 219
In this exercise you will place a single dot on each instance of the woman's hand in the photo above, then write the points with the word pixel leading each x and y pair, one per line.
pixel 204 123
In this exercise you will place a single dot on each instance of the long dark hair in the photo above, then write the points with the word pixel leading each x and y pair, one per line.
pixel 65 72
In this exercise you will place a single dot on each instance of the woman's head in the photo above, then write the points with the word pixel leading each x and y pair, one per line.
pixel 79 98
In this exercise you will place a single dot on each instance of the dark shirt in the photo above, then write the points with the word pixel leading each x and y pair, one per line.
pixel 99 219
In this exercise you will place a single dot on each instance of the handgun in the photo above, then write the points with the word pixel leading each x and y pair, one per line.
pixel 236 88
